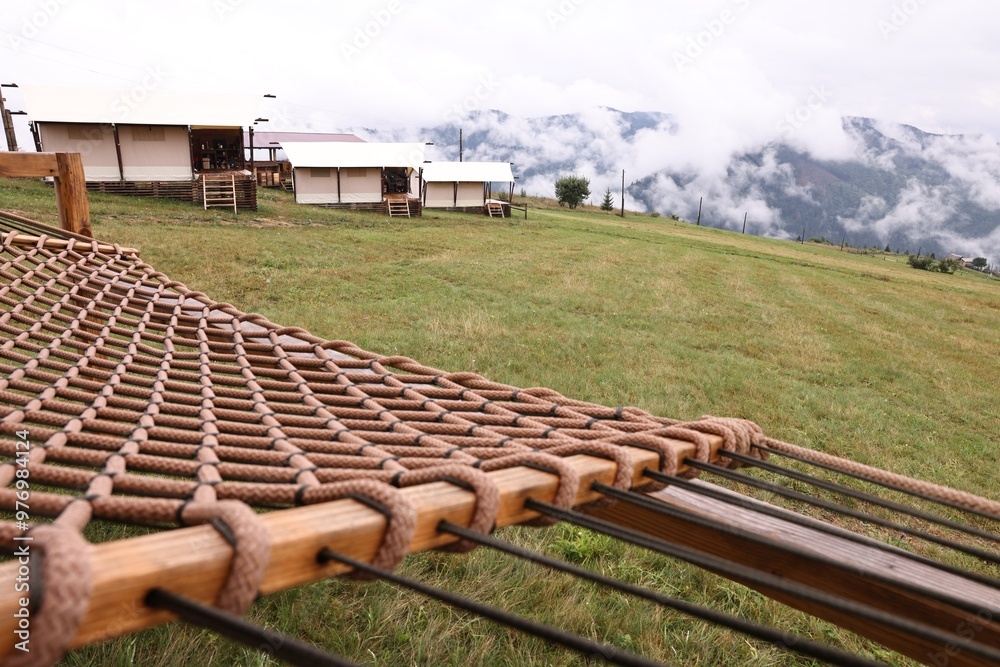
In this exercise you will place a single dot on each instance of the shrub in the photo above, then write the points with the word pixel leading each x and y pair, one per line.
pixel 571 190
pixel 948 265
pixel 926 262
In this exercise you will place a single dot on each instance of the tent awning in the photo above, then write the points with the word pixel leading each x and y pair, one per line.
pixel 138 107
pixel 267 139
pixel 352 154
pixel 464 172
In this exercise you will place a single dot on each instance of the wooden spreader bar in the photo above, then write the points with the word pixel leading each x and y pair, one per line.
pixel 194 561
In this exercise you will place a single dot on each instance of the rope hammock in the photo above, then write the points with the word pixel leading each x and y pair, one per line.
pixel 276 458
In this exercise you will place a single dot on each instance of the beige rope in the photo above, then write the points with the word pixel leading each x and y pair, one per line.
pixel 251 548
pixel 401 515
pixel 962 498
pixel 487 496
pixel 65 584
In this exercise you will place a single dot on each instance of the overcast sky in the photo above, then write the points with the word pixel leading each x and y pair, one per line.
pixel 739 69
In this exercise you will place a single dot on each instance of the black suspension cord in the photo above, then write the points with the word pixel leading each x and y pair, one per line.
pixel 763 579
pixel 882 483
pixel 585 646
pixel 715 493
pixel 795 643
pixel 281 646
pixel 861 495
pixel 834 507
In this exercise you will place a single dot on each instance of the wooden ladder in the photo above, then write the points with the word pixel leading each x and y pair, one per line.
pixel 495 209
pixel 398 208
pixel 218 193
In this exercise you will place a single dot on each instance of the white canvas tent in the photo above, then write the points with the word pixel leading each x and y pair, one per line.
pixel 352 173
pixel 462 184
pixel 140 135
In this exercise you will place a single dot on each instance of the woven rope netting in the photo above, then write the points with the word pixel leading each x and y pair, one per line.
pixel 127 397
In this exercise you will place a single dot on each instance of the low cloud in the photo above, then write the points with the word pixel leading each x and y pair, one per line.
pixel 758 167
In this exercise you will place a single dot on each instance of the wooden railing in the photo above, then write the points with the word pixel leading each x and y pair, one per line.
pixel 66 169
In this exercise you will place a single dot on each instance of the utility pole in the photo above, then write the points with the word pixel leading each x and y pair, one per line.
pixel 623 193
pixel 460 148
pixel 8 122
pixel 745 214
pixel 698 221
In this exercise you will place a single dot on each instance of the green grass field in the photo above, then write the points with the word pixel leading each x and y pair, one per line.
pixel 857 355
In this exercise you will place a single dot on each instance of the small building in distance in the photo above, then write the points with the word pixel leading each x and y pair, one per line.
pixel 467 186
pixel 382 177
pixel 154 144
pixel 263 153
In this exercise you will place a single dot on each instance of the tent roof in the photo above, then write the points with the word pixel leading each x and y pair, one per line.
pixel 353 154
pixel 269 139
pixel 486 172
pixel 138 107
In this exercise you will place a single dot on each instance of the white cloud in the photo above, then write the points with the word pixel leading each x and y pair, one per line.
pixel 756 64
pixel 757 59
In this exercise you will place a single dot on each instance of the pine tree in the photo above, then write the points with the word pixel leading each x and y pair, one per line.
pixel 608 203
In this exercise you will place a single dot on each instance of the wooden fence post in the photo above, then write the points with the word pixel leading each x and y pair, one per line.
pixel 71 194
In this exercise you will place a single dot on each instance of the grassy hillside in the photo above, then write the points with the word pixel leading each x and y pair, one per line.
pixel 856 355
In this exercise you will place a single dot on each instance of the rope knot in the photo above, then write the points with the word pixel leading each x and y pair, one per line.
pixel 243 529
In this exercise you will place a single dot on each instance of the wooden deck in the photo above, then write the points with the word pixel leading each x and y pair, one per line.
pixel 190 191
pixel 416 210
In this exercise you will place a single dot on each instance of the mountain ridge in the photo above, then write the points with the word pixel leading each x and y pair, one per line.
pixel 896 184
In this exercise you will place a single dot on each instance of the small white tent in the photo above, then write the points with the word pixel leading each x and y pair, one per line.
pixel 338 173
pixel 462 184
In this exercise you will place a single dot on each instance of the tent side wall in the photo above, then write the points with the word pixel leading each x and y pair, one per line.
pixel 471 194
pixel 155 152
pixel 361 185
pixel 440 195
pixel 94 142
pixel 316 186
